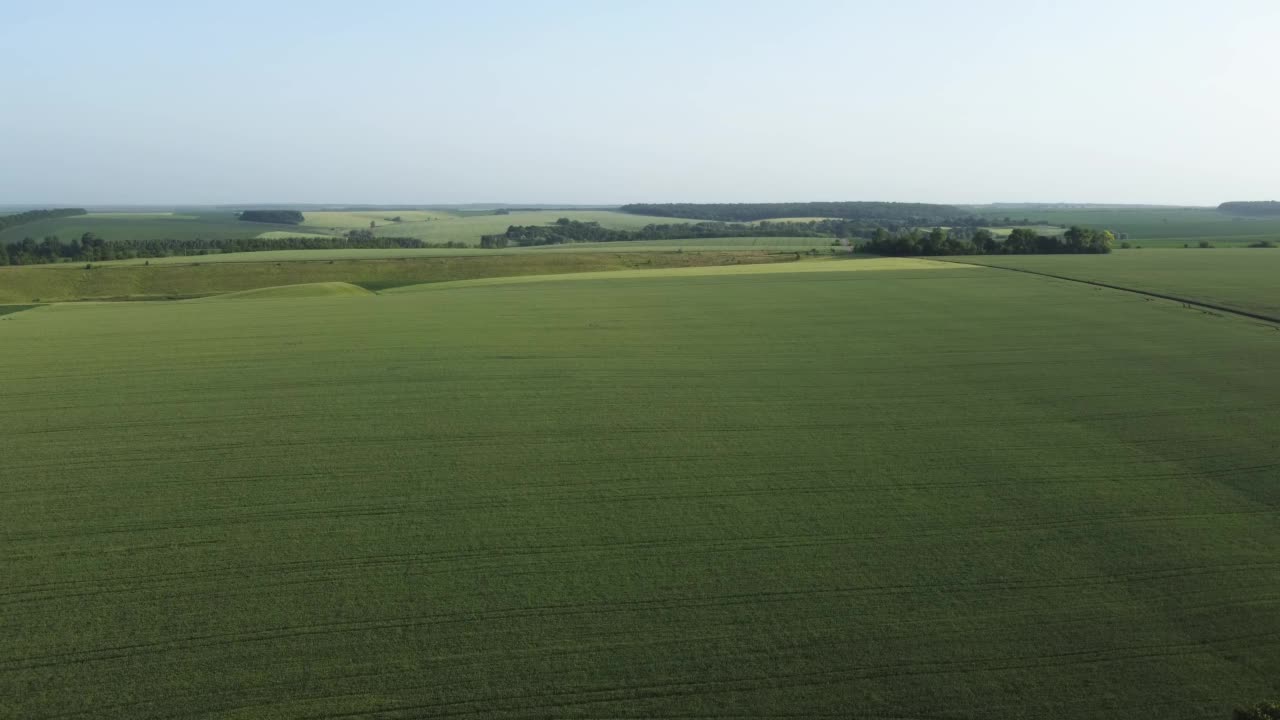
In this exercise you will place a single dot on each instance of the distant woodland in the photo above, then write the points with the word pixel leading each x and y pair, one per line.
pixel 22 218
pixel 876 240
pixel 1265 208
pixel 883 212
pixel 1021 241
pixel 279 217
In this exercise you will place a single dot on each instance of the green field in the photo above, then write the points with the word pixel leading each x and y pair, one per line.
pixel 927 492
pixel 195 276
pixel 341 221
pixel 1158 227
pixel 1246 280
pixel 188 225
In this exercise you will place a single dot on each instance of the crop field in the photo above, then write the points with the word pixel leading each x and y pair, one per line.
pixel 1241 279
pixel 840 488
pixel 1160 227
pixel 141 226
pixel 137 280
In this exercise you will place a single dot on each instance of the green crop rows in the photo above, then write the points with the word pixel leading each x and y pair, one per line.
pixel 954 492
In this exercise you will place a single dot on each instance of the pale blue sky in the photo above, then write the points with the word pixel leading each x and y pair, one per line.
pixel 604 102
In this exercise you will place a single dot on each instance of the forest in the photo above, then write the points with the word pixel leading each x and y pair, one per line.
pixel 1261 208
pixel 877 240
pixel 1021 241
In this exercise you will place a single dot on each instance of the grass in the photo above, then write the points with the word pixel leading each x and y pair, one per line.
pixel 10 309
pixel 824 265
pixel 947 494
pixel 1233 278
pixel 307 290
pixel 54 283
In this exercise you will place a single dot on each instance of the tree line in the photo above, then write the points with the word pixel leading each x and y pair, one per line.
pixel 91 248
pixel 565 230
pixel 876 240
pixel 279 217
pixel 906 213
pixel 1021 241
pixel 1261 208
pixel 30 216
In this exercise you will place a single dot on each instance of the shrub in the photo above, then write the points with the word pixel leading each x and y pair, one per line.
pixel 1262 244
pixel 1206 244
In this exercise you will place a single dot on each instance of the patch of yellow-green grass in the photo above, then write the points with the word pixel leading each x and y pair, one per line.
pixel 355 220
pixel 285 234
pixel 305 290
pixel 862 264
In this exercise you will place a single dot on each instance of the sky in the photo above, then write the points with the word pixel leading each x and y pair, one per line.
pixel 1122 101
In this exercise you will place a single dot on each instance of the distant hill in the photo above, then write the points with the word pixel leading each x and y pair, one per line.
pixel 1261 208
pixel 916 213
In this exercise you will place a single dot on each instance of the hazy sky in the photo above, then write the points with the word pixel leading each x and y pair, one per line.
pixel 1169 101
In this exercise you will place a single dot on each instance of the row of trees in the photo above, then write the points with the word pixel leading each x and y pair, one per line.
pixel 91 248
pixel 30 216
pixel 1021 241
pixel 878 240
pixel 1263 208
pixel 565 230
pixel 915 213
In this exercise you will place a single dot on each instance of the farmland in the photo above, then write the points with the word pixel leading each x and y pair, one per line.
pixel 882 488
pixel 434 226
pixel 1235 278
pixel 194 277
pixel 1171 227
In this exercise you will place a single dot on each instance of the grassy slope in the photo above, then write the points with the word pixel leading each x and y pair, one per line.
pixel 1234 278
pixel 307 290
pixel 751 244
pixel 52 283
pixel 862 494
pixel 864 263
